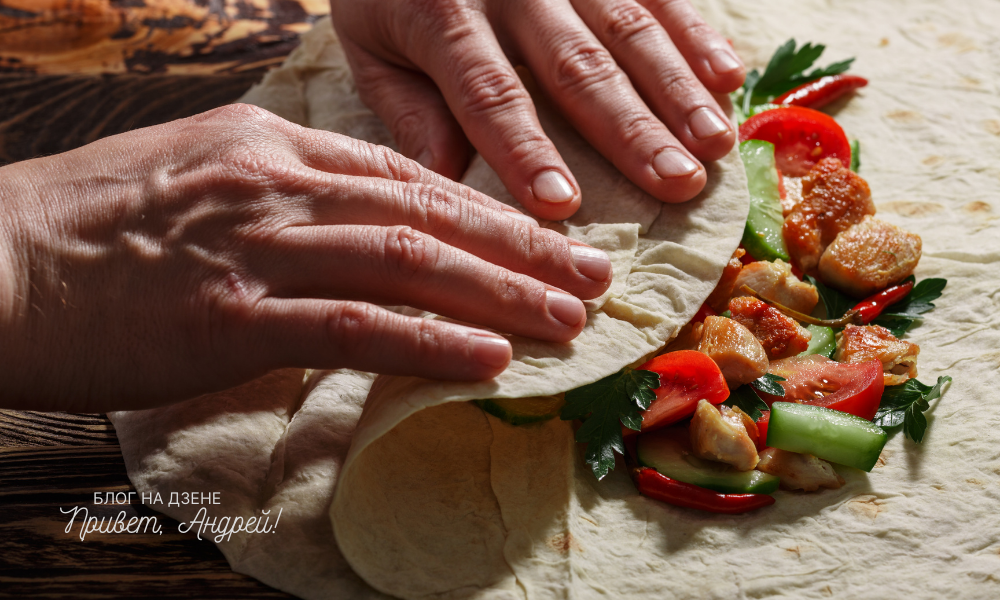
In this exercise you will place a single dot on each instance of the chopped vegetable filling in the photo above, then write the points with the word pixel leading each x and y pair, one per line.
pixel 774 281
pixel 781 336
pixel 721 434
pixel 799 471
pixel 736 351
pixel 869 256
pixel 872 342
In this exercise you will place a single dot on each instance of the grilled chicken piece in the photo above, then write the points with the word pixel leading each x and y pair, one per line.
pixel 781 336
pixel 870 256
pixel 833 199
pixel 687 338
pixel 719 297
pixel 719 433
pixel 871 342
pixel 734 349
pixel 799 471
pixel 775 282
pixel 792 195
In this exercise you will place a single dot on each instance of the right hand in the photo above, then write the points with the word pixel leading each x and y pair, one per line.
pixel 191 257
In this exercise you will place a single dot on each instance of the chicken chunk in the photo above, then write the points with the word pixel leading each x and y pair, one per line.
pixel 792 195
pixel 871 342
pixel 719 433
pixel 734 349
pixel 799 471
pixel 719 297
pixel 687 338
pixel 781 336
pixel 775 282
pixel 870 256
pixel 833 199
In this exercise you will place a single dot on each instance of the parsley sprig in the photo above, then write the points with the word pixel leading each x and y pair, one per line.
pixel 899 317
pixel 906 404
pixel 747 400
pixel 785 71
pixel 606 405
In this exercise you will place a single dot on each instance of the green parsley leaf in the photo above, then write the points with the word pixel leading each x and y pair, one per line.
pixel 786 70
pixel 747 400
pixel 769 384
pixel 606 405
pixel 897 324
pixel 904 313
pixel 835 302
pixel 905 405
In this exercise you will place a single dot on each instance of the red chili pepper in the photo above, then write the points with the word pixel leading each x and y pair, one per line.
pixel 703 312
pixel 659 487
pixel 872 306
pixel 821 92
pixel 746 259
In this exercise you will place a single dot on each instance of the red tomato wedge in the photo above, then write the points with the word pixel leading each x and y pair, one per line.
pixel 801 136
pixel 686 376
pixel 815 379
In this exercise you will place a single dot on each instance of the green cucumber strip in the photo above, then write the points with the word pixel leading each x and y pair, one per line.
pixel 822 342
pixel 762 235
pixel 669 452
pixel 829 434
pixel 855 155
pixel 523 411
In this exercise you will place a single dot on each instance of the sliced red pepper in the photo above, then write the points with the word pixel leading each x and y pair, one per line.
pixel 872 306
pixel 659 487
pixel 821 92
pixel 762 423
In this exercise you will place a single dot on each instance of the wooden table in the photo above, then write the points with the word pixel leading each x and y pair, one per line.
pixel 73 71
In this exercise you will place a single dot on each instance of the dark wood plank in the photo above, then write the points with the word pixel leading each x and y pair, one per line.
pixel 26 428
pixel 38 559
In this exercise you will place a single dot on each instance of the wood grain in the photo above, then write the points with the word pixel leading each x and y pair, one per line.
pixel 38 559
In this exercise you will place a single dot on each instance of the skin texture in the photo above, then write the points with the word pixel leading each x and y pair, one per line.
pixel 638 78
pixel 190 257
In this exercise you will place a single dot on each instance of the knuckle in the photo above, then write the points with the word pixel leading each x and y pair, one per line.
pixel 393 165
pixel 635 126
pixel 674 83
pixel 625 23
pixel 580 64
pixel 434 210
pixel 410 254
pixel 352 326
pixel 489 88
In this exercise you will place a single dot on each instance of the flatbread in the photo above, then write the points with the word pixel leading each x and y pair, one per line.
pixel 437 499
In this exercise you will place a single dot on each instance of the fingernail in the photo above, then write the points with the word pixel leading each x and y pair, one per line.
pixel 552 187
pixel 490 350
pixel 426 158
pixel 591 262
pixel 567 309
pixel 723 61
pixel 521 217
pixel 673 163
pixel 704 124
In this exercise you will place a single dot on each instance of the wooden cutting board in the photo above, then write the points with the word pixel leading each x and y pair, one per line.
pixel 73 71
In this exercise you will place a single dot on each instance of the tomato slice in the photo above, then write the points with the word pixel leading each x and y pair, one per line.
pixel 686 376
pixel 852 388
pixel 801 136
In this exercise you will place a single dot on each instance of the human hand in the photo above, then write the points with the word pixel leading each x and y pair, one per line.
pixel 190 257
pixel 635 77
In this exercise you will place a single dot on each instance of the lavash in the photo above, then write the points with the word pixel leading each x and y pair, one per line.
pixel 438 500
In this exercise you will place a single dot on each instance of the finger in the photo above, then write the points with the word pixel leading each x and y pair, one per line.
pixel 495 110
pixel 414 111
pixel 645 51
pixel 582 78
pixel 509 240
pixel 709 54
pixel 324 334
pixel 399 265
pixel 338 154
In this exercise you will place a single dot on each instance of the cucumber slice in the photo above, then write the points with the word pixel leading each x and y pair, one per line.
pixel 825 433
pixel 669 452
pixel 822 342
pixel 762 235
pixel 522 411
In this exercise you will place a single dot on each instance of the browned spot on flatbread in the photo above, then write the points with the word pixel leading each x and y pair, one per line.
pixel 992 126
pixel 883 42
pixel 905 117
pixel 796 551
pixel 970 81
pixel 975 482
pixel 933 160
pixel 827 591
pixel 865 505
pixel 958 41
pixel 883 458
pixel 563 543
pixel 978 207
pixel 911 209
